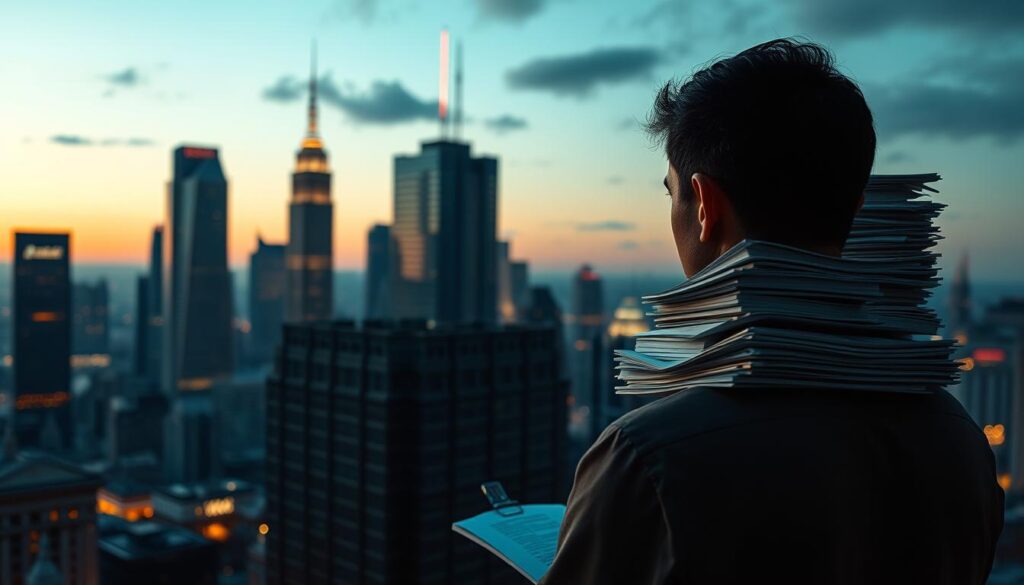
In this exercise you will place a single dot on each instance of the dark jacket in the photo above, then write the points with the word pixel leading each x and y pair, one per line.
pixel 729 486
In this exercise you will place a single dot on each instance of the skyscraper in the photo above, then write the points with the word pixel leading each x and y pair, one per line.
pixel 627 321
pixel 586 354
pixel 380 260
pixel 445 221
pixel 267 286
pixel 42 339
pixel 380 437
pixel 311 226
pixel 90 338
pixel 198 341
pixel 149 292
pixel 960 302
pixel 198 338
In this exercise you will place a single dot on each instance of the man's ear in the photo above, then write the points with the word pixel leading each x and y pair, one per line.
pixel 710 200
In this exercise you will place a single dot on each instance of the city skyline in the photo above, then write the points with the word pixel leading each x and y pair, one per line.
pixel 576 186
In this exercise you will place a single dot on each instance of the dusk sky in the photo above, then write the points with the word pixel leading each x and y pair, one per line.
pixel 96 94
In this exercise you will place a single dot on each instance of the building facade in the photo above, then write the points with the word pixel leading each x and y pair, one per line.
pixel 378 438
pixel 42 340
pixel 311 227
pixel 267 287
pixel 445 224
pixel 42 497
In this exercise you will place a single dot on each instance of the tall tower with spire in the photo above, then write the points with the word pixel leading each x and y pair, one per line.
pixel 310 255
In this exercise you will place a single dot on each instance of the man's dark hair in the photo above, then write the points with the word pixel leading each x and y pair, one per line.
pixel 786 135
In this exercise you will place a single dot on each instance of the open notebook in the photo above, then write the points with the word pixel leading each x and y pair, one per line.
pixel 524 536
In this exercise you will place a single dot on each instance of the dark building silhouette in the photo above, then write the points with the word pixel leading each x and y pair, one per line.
pixel 198 336
pixel 586 354
pixel 311 226
pixel 152 552
pixel 378 438
pixel 513 286
pixel 267 286
pixel 149 292
pixel 445 223
pixel 381 257
pixel 49 507
pixel 150 315
pixel 42 339
pixel 627 321
pixel 542 308
pixel 90 331
pixel 960 321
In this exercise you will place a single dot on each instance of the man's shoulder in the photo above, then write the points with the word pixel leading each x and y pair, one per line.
pixel 693 414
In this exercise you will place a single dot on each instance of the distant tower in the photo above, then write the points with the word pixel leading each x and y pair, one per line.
pixel 310 255
pixel 586 356
pixel 960 301
pixel 380 265
pixel 267 277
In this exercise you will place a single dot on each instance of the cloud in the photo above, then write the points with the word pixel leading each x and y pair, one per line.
pixel 628 245
pixel 509 10
pixel 866 17
pixel 386 102
pixel 897 156
pixel 128 77
pixel 968 98
pixel 606 226
pixel 577 75
pixel 506 123
pixel 70 140
pixel 78 140
pixel 285 90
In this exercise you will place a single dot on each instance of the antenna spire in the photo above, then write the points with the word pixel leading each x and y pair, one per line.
pixel 442 101
pixel 458 91
pixel 311 128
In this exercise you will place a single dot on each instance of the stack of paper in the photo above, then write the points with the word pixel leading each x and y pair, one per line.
pixel 769 315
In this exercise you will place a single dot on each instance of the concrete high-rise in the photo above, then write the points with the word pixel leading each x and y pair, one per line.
pixel 381 437
pixel 310 258
pixel 380 267
pixel 267 286
pixel 445 224
pixel 586 353
pixel 42 339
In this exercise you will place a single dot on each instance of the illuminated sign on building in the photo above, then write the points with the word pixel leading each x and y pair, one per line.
pixel 34 252
pixel 218 507
pixel 193 152
pixel 989 355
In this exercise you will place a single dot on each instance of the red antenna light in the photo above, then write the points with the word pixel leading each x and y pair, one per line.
pixel 442 102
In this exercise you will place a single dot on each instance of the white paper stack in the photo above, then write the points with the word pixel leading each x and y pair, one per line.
pixel 769 315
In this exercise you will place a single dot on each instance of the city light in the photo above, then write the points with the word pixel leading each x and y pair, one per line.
pixel 986 356
pixel 996 434
pixel 264 529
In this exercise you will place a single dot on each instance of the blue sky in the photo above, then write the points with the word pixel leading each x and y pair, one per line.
pixel 96 94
